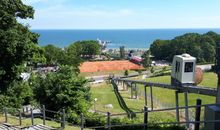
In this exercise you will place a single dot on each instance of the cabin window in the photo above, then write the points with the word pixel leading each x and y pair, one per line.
pixel 177 66
pixel 189 67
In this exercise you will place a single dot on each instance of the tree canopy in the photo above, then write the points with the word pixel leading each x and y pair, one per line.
pixel 18 45
pixel 87 48
pixel 53 54
pixel 62 89
pixel 146 59
pixel 201 46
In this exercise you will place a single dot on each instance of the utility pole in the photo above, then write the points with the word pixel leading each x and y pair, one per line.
pixel 218 71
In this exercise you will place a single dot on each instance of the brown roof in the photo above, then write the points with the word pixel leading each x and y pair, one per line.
pixel 108 66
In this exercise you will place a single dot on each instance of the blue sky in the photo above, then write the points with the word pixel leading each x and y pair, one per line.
pixel 124 14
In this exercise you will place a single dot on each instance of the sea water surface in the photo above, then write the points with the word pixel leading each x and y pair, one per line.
pixel 130 38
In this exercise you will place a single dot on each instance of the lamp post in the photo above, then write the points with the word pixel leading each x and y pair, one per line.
pixel 218 71
pixel 95 99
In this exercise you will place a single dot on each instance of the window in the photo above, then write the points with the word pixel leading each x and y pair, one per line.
pixel 189 67
pixel 177 66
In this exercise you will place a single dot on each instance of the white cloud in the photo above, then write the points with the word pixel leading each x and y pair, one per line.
pixel 31 2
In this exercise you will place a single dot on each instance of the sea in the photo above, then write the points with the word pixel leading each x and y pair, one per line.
pixel 130 38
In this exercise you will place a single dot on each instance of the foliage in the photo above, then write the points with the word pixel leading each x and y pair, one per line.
pixel 53 54
pixel 18 45
pixel 72 55
pixel 62 89
pixel 152 70
pixel 18 93
pixel 146 59
pixel 122 52
pixel 86 49
pixel 200 46
pixel 126 73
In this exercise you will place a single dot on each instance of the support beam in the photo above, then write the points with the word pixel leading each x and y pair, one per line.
pixel 190 89
pixel 218 71
pixel 186 109
pixel 151 98
pixel 177 106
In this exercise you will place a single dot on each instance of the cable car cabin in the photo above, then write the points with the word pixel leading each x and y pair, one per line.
pixel 183 70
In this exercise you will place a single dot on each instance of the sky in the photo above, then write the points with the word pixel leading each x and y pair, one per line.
pixel 124 14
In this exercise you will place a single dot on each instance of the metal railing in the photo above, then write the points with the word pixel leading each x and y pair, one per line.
pixel 19 115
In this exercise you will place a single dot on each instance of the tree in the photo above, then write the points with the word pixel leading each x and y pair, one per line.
pixel 122 52
pixel 146 59
pixel 200 46
pixel 53 54
pixel 126 73
pixel 87 49
pixel 63 89
pixel 18 45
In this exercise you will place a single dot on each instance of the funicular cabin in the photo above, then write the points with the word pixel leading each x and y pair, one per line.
pixel 183 69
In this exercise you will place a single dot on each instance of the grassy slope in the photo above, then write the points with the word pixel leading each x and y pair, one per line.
pixel 105 95
pixel 167 96
pixel 27 122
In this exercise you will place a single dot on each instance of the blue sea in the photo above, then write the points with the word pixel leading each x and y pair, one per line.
pixel 130 38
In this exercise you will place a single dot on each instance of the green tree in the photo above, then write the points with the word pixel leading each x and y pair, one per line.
pixel 126 73
pixel 53 54
pixel 122 52
pixel 17 94
pixel 160 49
pixel 63 89
pixel 200 46
pixel 146 59
pixel 87 49
pixel 18 45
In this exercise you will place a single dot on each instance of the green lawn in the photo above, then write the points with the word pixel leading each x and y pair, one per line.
pixel 165 97
pixel 105 95
pixel 168 96
pixel 27 122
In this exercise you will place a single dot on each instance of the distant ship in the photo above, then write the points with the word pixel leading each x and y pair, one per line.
pixel 103 44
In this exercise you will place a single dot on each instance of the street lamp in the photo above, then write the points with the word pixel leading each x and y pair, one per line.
pixel 95 99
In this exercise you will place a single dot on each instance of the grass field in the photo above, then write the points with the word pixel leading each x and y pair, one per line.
pixel 167 96
pixel 27 122
pixel 105 95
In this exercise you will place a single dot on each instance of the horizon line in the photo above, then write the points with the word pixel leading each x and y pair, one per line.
pixel 115 28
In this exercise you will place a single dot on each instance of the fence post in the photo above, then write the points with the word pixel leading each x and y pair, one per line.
pixel 145 94
pixel 32 116
pixel 6 115
pixel 20 117
pixel 145 117
pixel 177 107
pixel 44 115
pixel 82 121
pixel 63 119
pixel 131 91
pixel 186 109
pixel 136 93
pixel 108 121
pixel 151 98
pixel 198 112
